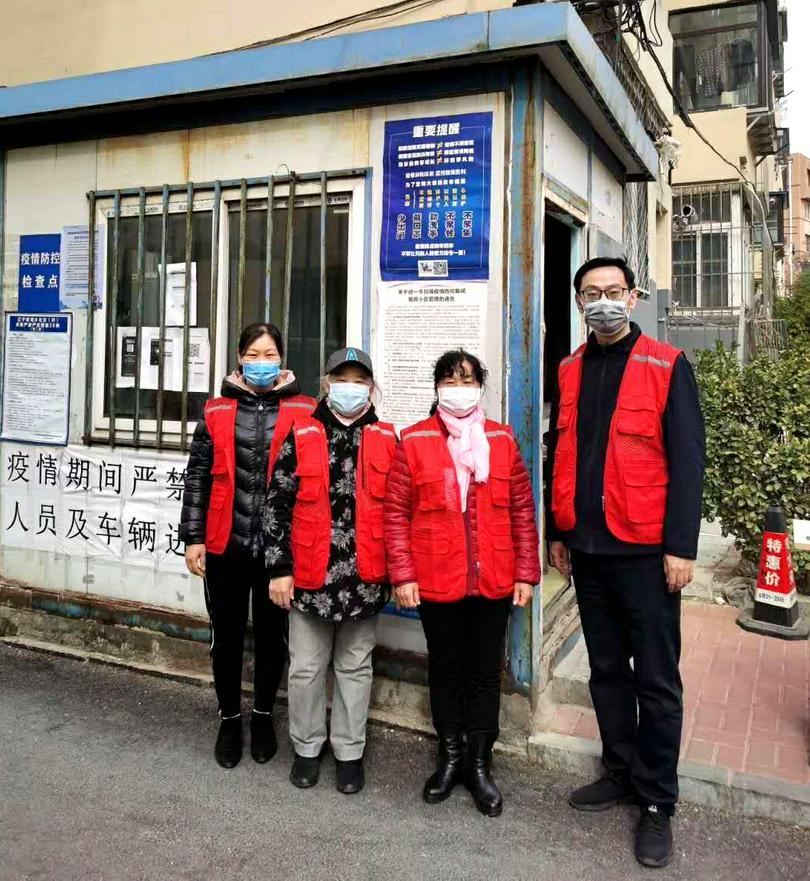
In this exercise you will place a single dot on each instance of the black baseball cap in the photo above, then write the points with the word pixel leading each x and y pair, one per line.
pixel 351 355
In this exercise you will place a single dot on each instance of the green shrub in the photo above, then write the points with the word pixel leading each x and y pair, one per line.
pixel 794 310
pixel 757 443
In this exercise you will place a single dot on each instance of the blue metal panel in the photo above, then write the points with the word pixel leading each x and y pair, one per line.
pixel 523 324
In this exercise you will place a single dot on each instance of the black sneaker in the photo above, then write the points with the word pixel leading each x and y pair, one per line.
pixel 607 792
pixel 351 777
pixel 305 771
pixel 654 837
pixel 263 743
pixel 228 748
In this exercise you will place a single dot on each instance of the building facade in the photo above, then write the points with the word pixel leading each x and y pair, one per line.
pixel 404 182
pixel 728 240
pixel 797 216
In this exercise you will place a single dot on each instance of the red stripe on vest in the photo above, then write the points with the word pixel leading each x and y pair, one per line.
pixel 636 470
pixel 438 536
pixel 220 418
pixel 312 513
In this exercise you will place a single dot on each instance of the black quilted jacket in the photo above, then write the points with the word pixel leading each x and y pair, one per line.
pixel 256 417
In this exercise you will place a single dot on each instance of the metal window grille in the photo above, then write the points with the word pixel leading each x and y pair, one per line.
pixel 150 227
pixel 722 266
pixel 636 231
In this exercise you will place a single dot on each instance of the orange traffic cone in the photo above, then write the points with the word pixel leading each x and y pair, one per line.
pixel 776 610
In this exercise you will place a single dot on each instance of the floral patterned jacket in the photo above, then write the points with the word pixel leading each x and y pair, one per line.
pixel 344 597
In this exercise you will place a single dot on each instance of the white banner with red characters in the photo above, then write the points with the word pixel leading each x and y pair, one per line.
pixel 776 584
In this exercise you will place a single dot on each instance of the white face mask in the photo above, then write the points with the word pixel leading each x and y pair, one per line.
pixel 459 400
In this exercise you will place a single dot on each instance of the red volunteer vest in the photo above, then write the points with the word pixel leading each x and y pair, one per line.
pixel 438 535
pixel 220 417
pixel 312 513
pixel 636 470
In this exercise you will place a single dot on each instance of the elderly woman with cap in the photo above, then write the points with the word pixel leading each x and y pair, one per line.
pixel 323 521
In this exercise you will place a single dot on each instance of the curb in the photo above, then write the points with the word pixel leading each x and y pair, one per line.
pixel 718 788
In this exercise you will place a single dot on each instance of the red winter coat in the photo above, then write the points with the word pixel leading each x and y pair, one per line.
pixel 399 517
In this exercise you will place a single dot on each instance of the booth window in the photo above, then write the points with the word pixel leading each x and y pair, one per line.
pixel 717 57
pixel 186 268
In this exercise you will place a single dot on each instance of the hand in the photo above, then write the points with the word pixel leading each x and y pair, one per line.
pixel 282 591
pixel 523 594
pixel 560 558
pixel 195 560
pixel 407 595
pixel 679 572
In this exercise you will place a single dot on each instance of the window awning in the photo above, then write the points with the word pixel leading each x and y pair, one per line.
pixel 553 32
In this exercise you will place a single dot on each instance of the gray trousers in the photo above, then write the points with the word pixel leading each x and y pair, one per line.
pixel 349 644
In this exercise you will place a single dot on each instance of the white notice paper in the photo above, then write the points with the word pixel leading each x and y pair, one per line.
pixel 417 323
pixel 199 354
pixel 36 391
pixel 176 294
pixel 75 257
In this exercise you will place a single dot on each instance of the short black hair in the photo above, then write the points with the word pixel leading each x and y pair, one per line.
pixel 598 263
pixel 450 364
pixel 253 331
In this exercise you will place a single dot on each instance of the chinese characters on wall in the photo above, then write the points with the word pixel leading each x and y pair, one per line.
pixel 84 501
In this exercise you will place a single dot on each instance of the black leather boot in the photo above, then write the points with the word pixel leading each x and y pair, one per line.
pixel 478 774
pixel 449 769
pixel 228 749
pixel 263 743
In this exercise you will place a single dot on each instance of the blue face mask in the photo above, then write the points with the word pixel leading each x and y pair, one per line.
pixel 261 373
pixel 348 398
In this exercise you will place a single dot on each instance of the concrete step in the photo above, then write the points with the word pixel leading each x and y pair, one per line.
pixel 570 679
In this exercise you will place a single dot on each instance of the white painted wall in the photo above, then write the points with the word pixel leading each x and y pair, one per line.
pixel 47 187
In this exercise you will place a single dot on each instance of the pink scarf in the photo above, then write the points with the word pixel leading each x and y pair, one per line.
pixel 469 448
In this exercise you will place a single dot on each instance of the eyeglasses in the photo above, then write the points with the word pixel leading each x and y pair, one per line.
pixel 614 292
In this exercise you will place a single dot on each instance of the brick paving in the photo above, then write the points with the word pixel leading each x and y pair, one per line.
pixel 746 698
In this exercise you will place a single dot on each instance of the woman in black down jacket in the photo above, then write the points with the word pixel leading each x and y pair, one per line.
pixel 226 478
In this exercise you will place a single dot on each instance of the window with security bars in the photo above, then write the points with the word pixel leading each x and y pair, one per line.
pixel 712 237
pixel 635 231
pixel 187 267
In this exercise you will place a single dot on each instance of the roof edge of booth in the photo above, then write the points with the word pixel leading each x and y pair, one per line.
pixel 552 31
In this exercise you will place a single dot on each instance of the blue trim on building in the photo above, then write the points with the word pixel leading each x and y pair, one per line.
pixel 484 36
pixel 524 329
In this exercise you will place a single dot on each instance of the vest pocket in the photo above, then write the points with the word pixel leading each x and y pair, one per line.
pixel 219 485
pixel 377 476
pixel 431 494
pixel 646 493
pixel 310 480
pixel 504 553
pixel 428 544
pixel 500 488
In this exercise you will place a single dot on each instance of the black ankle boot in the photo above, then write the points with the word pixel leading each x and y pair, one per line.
pixel 449 769
pixel 478 774
pixel 263 743
pixel 228 749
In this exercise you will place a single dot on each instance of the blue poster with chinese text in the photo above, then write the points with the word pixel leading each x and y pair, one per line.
pixel 39 273
pixel 437 181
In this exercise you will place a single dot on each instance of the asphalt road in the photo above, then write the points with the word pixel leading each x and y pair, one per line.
pixel 108 775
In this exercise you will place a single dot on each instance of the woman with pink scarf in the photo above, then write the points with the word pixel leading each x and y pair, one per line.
pixel 462 546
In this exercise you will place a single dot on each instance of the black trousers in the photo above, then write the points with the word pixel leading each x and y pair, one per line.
pixel 465 651
pixel 627 612
pixel 230 580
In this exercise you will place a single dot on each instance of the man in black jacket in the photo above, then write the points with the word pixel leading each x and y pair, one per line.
pixel 628 588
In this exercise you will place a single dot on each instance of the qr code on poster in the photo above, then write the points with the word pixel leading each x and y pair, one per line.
pixel 194 350
pixel 433 269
